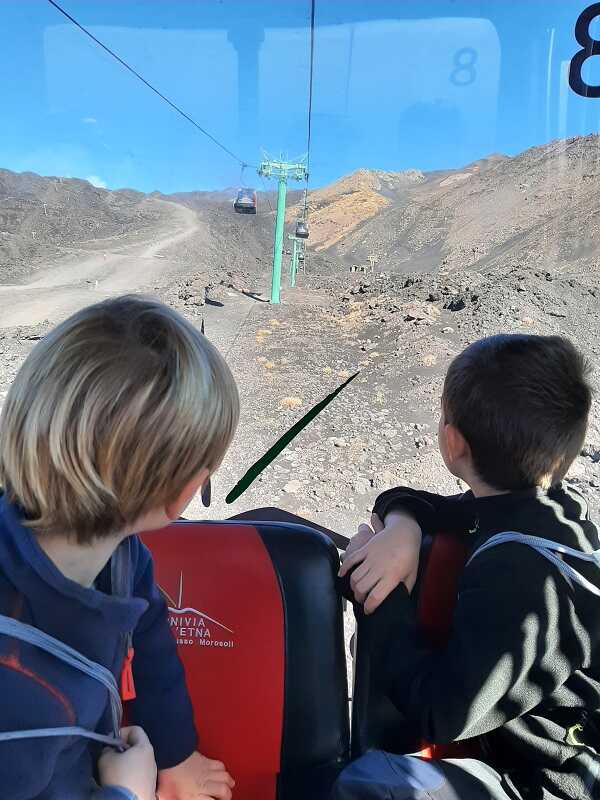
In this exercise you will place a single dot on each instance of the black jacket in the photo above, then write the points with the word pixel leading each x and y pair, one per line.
pixel 522 667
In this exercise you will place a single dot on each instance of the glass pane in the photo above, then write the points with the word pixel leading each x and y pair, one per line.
pixel 453 193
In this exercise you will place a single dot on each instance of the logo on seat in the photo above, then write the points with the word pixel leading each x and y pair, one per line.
pixel 192 627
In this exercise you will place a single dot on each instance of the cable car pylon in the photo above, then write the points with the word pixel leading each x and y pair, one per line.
pixel 283 171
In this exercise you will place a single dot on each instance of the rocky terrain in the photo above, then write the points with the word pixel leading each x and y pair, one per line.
pixel 506 244
pixel 400 332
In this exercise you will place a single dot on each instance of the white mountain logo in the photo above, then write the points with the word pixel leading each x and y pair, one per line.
pixel 191 626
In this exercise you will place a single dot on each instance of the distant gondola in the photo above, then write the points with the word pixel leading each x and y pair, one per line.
pixel 301 230
pixel 245 202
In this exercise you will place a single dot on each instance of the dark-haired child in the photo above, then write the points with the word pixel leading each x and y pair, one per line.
pixel 520 674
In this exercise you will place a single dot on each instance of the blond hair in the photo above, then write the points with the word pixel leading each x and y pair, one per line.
pixel 111 415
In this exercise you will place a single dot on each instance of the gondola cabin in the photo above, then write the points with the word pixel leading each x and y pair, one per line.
pixel 301 229
pixel 245 202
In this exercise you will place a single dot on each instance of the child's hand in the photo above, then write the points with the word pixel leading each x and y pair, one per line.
pixel 135 769
pixel 196 778
pixel 363 535
pixel 385 560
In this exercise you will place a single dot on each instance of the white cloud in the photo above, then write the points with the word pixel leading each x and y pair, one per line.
pixel 96 181
pixel 90 121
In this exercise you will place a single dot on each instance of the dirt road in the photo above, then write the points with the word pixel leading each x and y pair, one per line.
pixel 90 275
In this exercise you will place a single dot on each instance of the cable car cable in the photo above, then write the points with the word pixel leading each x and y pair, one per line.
pixel 149 85
pixel 310 98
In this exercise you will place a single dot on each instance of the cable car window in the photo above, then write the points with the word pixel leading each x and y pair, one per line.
pixel 333 187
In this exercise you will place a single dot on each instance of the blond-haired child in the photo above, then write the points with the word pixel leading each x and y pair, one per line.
pixel 114 422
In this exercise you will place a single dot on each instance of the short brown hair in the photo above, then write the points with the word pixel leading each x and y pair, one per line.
pixel 522 403
pixel 111 414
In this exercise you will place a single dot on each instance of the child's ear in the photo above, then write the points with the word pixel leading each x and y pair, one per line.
pixel 175 508
pixel 457 447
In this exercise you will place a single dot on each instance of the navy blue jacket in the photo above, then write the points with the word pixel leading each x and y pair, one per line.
pixel 37 690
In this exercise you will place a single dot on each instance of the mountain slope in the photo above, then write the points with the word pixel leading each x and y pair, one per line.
pixel 339 208
pixel 540 208
pixel 40 216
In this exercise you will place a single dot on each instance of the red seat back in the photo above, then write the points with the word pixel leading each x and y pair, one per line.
pixel 258 624
pixel 376 723
pixel 438 586
pixel 436 600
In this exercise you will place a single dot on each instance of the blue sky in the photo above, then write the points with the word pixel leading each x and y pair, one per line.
pixel 386 93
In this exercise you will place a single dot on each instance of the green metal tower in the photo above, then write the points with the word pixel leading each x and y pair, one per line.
pixel 283 171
